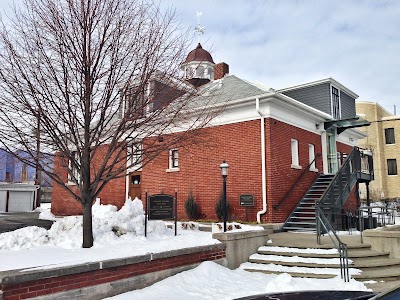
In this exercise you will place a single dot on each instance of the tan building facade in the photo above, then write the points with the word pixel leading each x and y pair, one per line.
pixel 384 141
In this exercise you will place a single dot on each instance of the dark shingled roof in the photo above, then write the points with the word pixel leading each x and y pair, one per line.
pixel 199 54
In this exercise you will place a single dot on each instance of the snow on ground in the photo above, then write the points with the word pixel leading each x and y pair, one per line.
pixel 305 270
pixel 212 281
pixel 298 259
pixel 119 234
pixel 35 247
pixel 298 250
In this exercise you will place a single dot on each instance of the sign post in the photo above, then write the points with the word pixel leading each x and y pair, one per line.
pixel 247 201
pixel 161 207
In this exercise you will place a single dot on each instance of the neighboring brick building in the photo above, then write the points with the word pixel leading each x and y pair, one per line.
pixel 383 139
pixel 268 138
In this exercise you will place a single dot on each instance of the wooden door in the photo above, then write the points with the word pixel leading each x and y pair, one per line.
pixel 134 185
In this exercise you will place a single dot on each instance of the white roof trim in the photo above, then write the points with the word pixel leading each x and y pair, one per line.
pixel 318 82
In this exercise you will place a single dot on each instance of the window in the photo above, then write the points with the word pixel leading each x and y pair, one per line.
pixel 135 101
pixel 8 177
pixel 73 172
pixel 295 153
pixel 389 136
pixel 335 103
pixel 134 153
pixel 311 155
pixel 173 159
pixel 24 173
pixel 392 166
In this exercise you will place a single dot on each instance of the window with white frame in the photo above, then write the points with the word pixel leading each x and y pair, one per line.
pixel 335 103
pixel 311 156
pixel 134 156
pixel 173 159
pixel 73 172
pixel 295 152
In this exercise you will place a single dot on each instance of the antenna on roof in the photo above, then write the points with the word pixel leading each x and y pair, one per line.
pixel 199 30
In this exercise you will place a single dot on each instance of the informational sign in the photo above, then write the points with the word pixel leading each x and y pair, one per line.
pixel 161 207
pixel 246 200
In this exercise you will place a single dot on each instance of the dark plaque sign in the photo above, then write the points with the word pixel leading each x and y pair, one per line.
pixel 246 200
pixel 161 207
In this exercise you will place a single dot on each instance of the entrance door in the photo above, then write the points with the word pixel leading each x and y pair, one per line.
pixel 331 150
pixel 134 185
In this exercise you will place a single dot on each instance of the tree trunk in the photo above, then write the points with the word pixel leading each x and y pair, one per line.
pixel 87 225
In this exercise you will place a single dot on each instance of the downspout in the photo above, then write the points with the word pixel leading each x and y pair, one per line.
pixel 263 168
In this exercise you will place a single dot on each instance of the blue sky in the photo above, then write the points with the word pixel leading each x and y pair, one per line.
pixel 284 43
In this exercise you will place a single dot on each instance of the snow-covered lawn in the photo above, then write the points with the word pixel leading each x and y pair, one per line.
pixel 119 234
pixel 36 247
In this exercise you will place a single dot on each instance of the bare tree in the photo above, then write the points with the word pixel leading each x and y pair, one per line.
pixel 85 71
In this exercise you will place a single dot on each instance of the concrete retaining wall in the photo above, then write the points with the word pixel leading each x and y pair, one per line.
pixel 240 245
pixel 386 240
pixel 107 278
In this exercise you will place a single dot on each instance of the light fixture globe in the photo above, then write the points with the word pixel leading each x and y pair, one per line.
pixel 224 168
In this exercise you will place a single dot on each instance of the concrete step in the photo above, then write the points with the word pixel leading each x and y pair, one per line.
pixel 295 261
pixel 296 271
pixel 379 274
pixel 294 274
pixel 362 263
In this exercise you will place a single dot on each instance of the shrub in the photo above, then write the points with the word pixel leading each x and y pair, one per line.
pixel 219 207
pixel 191 207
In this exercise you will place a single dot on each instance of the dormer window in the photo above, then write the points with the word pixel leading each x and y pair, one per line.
pixel 335 103
pixel 135 101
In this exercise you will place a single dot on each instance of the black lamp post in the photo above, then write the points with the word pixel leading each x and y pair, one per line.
pixel 224 171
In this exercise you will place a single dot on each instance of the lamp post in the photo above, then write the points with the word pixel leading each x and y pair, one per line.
pixel 224 171
pixel 38 176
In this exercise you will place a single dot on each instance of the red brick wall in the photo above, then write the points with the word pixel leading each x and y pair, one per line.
pixel 53 285
pixel 280 175
pixel 239 144
pixel 63 203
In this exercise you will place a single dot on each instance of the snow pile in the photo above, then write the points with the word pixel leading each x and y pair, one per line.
pixel 212 281
pixel 109 225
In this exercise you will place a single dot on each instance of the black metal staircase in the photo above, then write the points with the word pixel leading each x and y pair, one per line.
pixel 303 216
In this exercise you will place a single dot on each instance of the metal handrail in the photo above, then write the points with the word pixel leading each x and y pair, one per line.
pixel 349 170
pixel 339 245
pixel 283 199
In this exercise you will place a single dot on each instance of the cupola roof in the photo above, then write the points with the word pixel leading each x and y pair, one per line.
pixel 199 54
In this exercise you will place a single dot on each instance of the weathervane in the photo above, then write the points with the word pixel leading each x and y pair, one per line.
pixel 199 30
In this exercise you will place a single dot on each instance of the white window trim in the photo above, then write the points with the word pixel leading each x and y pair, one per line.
pixel 340 101
pixel 76 174
pixel 311 157
pixel 294 146
pixel 172 168
pixel 132 157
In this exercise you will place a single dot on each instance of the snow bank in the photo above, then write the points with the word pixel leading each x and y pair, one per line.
pixel 109 225
pixel 212 281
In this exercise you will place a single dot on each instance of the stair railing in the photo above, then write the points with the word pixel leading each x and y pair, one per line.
pixel 286 196
pixel 328 208
pixel 337 192
pixel 322 221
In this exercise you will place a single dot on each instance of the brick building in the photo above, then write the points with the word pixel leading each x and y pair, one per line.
pixel 383 138
pixel 275 142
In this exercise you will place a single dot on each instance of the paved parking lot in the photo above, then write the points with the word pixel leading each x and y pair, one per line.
pixel 10 221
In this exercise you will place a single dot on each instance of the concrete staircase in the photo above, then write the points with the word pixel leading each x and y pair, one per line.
pixel 303 216
pixel 295 253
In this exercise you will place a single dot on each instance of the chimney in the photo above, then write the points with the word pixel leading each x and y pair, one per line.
pixel 220 70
